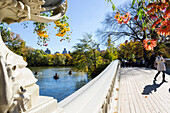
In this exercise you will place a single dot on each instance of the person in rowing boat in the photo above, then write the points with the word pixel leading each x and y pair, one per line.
pixel 56 76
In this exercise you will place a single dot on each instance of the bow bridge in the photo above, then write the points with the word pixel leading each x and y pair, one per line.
pixel 115 90
pixel 121 90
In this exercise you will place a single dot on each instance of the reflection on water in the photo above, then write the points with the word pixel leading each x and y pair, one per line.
pixel 64 86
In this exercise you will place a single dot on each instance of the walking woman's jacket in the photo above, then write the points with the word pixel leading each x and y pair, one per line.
pixel 160 63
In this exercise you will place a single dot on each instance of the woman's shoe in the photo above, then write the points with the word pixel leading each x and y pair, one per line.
pixel 155 79
pixel 164 81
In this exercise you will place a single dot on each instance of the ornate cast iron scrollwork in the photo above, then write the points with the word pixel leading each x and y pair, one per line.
pixel 14 76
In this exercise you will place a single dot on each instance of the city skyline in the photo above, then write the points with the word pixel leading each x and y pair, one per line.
pixel 48 51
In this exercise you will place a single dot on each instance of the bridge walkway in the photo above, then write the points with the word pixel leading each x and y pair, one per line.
pixel 139 93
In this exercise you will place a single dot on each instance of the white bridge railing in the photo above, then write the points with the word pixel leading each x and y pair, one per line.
pixel 167 64
pixel 97 96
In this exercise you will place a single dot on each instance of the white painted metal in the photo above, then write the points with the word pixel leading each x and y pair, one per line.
pixel 18 91
pixel 167 64
pixel 12 11
pixel 95 95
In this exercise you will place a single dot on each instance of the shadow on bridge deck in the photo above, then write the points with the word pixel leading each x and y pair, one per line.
pixel 149 88
pixel 140 93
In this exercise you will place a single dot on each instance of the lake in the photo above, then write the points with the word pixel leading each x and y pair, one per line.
pixel 64 86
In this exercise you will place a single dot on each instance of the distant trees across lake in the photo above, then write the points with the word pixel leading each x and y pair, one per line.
pixel 86 57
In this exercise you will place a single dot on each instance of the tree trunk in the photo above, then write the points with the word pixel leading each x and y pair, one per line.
pixel 94 59
pixel 144 50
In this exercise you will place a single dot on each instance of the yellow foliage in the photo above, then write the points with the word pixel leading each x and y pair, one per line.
pixel 123 44
pixel 46 36
pixel 57 22
pixel 68 29
pixel 42 33
pixel 68 56
pixel 44 55
pixel 63 29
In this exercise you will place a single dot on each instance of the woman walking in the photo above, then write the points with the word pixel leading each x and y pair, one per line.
pixel 160 66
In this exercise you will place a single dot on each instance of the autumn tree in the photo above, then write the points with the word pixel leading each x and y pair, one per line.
pixel 111 51
pixel 60 59
pixel 130 50
pixel 13 41
pixel 154 16
pixel 128 21
pixel 69 59
pixel 86 57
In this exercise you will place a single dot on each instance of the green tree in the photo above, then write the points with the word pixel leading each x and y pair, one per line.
pixel 60 59
pixel 86 57
pixel 12 41
pixel 111 51
pixel 69 60
pixel 130 50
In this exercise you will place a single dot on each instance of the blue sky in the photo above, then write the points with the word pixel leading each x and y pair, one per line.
pixel 85 16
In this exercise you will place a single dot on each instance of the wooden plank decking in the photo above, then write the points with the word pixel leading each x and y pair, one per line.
pixel 139 93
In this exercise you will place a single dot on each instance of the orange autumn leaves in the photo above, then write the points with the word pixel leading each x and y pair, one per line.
pixel 41 31
pixel 122 19
pixel 43 35
pixel 158 6
pixel 149 44
pixel 159 14
pixel 164 29
pixel 64 29
pixel 162 23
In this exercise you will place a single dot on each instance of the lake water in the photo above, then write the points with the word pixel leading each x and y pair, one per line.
pixel 64 86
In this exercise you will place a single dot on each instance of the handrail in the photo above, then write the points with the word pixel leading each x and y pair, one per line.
pixel 167 64
pixel 95 96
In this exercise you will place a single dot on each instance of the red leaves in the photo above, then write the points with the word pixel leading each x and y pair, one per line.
pixel 160 11
pixel 151 11
pixel 116 16
pixel 129 17
pixel 136 17
pixel 45 44
pixel 151 5
pixel 156 22
pixel 164 29
pixel 153 26
pixel 154 17
pixel 143 29
pixel 122 19
pixel 126 15
pixel 125 21
pixel 167 12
